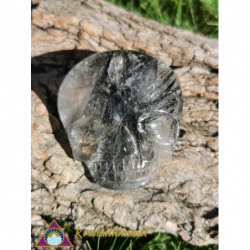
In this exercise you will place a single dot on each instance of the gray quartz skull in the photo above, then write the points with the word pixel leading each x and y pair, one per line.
pixel 121 111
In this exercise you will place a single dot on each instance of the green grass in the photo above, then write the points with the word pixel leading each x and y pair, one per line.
pixel 199 16
pixel 160 241
pixel 157 241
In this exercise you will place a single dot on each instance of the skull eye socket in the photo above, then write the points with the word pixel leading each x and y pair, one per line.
pixel 159 126
pixel 88 130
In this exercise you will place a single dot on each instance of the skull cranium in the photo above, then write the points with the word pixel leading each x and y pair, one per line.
pixel 121 111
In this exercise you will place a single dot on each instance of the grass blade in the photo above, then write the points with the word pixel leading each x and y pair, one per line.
pixel 178 14
pixel 88 245
pixel 213 23
pixel 98 242
pixel 130 245
pixel 152 242
pixel 115 240
pixel 192 13
pixel 123 243
pixel 179 246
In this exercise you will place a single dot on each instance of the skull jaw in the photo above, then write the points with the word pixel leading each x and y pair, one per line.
pixel 126 185
pixel 124 173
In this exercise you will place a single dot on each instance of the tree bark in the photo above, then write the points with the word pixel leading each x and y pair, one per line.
pixel 99 26
pixel 183 199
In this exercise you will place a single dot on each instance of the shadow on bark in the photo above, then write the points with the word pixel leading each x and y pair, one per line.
pixel 47 73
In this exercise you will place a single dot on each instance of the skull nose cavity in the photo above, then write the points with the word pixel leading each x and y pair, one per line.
pixel 125 143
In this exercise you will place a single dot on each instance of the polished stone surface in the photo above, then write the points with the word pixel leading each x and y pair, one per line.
pixel 121 111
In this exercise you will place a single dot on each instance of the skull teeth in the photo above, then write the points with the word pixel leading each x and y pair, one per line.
pixel 121 165
pixel 122 169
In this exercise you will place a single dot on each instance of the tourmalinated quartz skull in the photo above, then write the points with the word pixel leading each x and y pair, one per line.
pixel 121 111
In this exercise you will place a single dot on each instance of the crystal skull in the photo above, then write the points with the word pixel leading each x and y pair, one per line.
pixel 121 112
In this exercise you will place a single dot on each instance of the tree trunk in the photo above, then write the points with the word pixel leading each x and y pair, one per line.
pixel 183 199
